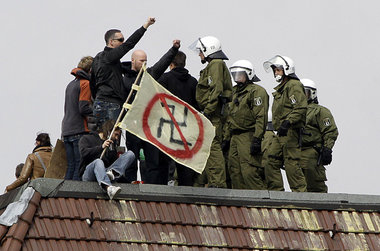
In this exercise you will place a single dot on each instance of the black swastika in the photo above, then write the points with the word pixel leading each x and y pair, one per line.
pixel 172 126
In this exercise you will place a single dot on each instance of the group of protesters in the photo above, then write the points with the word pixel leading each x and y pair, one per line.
pixel 251 143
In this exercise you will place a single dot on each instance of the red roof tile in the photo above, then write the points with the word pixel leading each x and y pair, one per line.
pixel 13 239
pixel 230 227
pixel 62 223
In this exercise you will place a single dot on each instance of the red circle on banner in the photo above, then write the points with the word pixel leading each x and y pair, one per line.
pixel 182 154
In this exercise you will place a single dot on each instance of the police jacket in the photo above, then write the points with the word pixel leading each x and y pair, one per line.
pixel 107 82
pixel 249 109
pixel 289 103
pixel 33 168
pixel 320 129
pixel 77 104
pixel 214 83
pixel 181 84
pixel 90 148
pixel 155 71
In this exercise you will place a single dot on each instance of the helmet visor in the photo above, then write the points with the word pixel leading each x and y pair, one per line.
pixel 233 81
pixel 311 93
pixel 196 46
pixel 239 76
pixel 275 62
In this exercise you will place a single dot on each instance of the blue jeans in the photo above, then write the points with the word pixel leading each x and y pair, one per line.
pixel 96 171
pixel 72 156
pixel 104 111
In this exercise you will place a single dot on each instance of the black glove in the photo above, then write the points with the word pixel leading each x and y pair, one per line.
pixel 225 145
pixel 255 146
pixel 283 130
pixel 326 157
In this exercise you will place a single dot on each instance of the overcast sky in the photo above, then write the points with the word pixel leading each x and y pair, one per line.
pixel 334 43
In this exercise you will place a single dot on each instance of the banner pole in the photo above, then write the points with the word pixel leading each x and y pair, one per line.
pixel 122 110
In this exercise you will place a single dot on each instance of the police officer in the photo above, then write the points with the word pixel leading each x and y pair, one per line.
pixel 246 123
pixel 318 141
pixel 289 116
pixel 213 91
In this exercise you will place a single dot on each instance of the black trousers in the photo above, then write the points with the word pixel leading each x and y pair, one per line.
pixel 155 172
pixel 185 175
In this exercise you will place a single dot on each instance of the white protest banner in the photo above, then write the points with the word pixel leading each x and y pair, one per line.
pixel 170 124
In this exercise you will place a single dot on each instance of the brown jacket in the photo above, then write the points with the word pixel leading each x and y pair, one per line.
pixel 33 168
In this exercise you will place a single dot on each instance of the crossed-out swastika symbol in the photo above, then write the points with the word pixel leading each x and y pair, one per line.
pixel 172 125
pixel 189 149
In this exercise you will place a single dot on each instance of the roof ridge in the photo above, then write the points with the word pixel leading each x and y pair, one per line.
pixel 55 188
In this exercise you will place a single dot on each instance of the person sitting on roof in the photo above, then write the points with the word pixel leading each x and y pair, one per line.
pixel 36 163
pixel 108 168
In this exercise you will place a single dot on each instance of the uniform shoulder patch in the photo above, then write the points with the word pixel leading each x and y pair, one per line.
pixel 258 101
pixel 209 80
pixel 293 99
pixel 326 121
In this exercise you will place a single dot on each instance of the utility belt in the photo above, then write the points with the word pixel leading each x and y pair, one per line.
pixel 239 131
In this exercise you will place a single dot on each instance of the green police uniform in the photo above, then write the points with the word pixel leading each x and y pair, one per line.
pixel 321 131
pixel 265 145
pixel 247 118
pixel 214 85
pixel 290 104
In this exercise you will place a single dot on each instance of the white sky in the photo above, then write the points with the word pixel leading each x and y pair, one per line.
pixel 333 42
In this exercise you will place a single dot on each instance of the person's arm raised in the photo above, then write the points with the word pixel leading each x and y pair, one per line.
pixel 119 52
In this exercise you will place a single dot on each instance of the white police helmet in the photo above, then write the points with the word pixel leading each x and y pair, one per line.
pixel 311 87
pixel 210 47
pixel 284 62
pixel 243 66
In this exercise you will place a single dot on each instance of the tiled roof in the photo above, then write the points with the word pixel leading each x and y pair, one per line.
pixel 77 216
pixel 13 238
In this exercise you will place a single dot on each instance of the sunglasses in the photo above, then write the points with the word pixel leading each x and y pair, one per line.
pixel 119 39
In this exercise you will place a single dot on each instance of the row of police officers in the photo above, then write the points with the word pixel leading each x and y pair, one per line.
pixel 298 136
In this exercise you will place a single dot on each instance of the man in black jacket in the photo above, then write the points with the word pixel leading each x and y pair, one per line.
pixel 107 84
pixel 180 83
pixel 152 174
pixel 111 166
